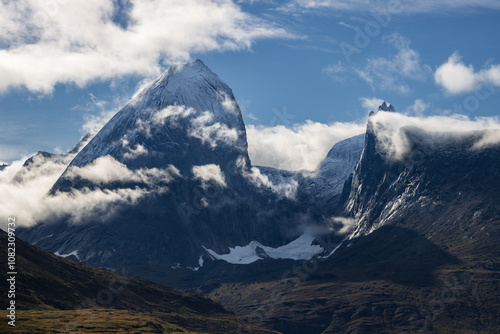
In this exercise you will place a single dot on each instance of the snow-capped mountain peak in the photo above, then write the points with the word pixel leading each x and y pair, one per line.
pixel 187 109
pixel 386 107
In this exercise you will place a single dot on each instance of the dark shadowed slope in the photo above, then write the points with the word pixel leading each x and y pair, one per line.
pixel 53 293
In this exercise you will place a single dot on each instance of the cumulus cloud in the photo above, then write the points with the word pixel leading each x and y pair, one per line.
pixel 209 174
pixel 79 41
pixel 390 73
pixel 438 129
pixel 26 196
pixel 456 77
pixel 301 146
pixel 400 6
pixel 8 173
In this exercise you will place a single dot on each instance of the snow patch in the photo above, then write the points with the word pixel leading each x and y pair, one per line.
pixel 299 249
pixel 200 261
pixel 74 253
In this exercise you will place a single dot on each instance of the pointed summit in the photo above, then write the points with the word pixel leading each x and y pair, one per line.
pixel 386 107
pixel 187 116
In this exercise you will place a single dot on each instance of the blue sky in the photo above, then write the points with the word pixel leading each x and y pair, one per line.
pixel 65 65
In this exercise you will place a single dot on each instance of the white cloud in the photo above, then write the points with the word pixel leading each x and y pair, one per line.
pixel 298 147
pixel 401 6
pixel 212 133
pixel 390 73
pixel 418 107
pixel 134 153
pixel 105 170
pixel 371 103
pixel 173 114
pixel 456 77
pixel 101 111
pixel 201 125
pixel 259 180
pixel 78 42
pixel 334 69
pixel 438 129
pixel 210 173
pixel 230 105
pixel 27 197
pixel 490 138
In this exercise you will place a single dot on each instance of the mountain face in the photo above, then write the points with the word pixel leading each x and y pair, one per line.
pixel 327 181
pixel 179 190
pixel 187 117
pixel 443 187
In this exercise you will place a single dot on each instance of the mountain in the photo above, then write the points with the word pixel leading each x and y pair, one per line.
pixel 56 294
pixel 327 182
pixel 443 187
pixel 422 254
pixel 176 189
pixel 188 108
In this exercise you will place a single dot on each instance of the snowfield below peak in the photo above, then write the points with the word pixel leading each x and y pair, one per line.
pixel 301 248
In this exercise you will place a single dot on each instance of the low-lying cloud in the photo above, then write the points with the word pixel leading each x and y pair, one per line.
pixel 285 188
pixel 24 192
pixel 106 169
pixel 302 146
pixel 209 174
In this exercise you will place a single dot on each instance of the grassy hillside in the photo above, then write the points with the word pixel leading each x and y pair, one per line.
pixel 54 295
pixel 401 284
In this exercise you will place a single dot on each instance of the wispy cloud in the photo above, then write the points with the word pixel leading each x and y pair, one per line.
pixel 391 73
pixel 371 103
pixel 405 6
pixel 388 74
pixel 287 188
pixel 78 42
pixel 209 174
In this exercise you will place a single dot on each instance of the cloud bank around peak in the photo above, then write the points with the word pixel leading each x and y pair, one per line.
pixel 24 191
pixel 436 129
pixel 301 146
pixel 77 42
